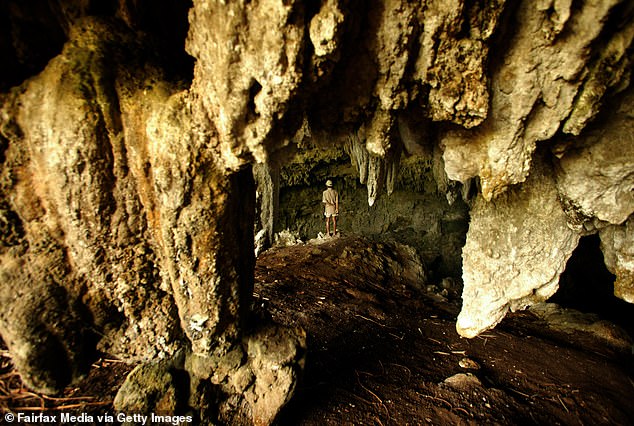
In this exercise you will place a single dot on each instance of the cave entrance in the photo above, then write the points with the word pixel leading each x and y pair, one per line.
pixel 587 286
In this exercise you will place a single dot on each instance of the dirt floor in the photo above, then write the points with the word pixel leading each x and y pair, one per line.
pixel 383 350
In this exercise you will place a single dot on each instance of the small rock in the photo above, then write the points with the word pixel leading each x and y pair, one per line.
pixel 469 364
pixel 149 388
pixel 286 238
pixel 462 381
pixel 447 283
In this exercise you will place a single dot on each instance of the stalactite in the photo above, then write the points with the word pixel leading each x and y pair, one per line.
pixel 126 188
pixel 376 176
pixel 376 172
pixel 267 179
pixel 392 165
pixel 359 156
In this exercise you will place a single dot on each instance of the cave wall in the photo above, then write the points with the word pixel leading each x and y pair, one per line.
pixel 130 131
pixel 124 231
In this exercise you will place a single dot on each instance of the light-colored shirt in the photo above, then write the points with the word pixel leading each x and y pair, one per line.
pixel 331 197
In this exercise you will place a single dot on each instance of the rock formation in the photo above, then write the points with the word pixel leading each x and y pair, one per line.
pixel 124 219
pixel 128 198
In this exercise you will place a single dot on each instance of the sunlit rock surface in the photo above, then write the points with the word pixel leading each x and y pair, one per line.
pixel 517 246
pixel 535 87
pixel 135 161
pixel 595 173
pixel 69 180
pixel 114 177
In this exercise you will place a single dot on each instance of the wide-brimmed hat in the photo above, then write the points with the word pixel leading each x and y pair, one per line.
pixel 328 183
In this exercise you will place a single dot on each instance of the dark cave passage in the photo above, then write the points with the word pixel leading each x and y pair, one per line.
pixel 587 285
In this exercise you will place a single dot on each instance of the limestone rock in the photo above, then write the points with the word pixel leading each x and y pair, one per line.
pixel 74 192
pixel 533 92
pixel 325 29
pixel 451 60
pixel 375 171
pixel 607 72
pixel 595 180
pixel 109 154
pixel 149 388
pixel 276 357
pixel 247 71
pixel 571 320
pixel 267 178
pixel 617 245
pixel 249 384
pixel 393 29
pixel 408 265
pixel 517 246
pixel 43 324
pixel 286 238
pixel 127 194
pixel 596 175
pixel 468 364
pixel 252 382
pixel 463 381
pixel 194 202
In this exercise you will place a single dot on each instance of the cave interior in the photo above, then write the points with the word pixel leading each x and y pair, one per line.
pixel 140 136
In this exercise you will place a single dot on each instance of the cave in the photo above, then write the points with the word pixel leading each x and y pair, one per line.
pixel 588 286
pixel 163 245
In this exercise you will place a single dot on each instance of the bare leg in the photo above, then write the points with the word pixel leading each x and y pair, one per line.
pixel 334 225
pixel 327 225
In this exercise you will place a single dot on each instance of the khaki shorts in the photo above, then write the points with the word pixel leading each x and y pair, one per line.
pixel 330 211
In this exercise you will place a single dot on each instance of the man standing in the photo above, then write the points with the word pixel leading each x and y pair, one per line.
pixel 330 199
